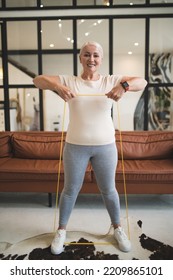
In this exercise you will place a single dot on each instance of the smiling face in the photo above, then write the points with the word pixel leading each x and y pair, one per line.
pixel 90 58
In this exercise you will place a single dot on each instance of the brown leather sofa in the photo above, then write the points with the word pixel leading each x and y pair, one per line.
pixel 29 162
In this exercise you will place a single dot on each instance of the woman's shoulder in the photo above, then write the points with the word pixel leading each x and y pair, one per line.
pixel 65 77
pixel 111 78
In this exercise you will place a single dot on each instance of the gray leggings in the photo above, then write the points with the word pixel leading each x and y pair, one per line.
pixel 103 159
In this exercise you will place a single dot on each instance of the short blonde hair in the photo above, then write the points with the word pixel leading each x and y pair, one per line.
pixel 92 43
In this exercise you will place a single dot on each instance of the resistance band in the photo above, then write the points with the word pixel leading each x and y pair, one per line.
pixel 59 165
pixel 59 174
pixel 123 169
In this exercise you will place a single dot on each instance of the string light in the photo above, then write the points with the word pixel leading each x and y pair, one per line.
pixel 106 3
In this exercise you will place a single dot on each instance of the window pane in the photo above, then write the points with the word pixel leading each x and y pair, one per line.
pixel 54 118
pixel 86 2
pixel 22 35
pixel 129 2
pixel 0 37
pixel 1 97
pixel 160 114
pixel 161 46
pixel 21 3
pixel 161 1
pixel 24 109
pixel 57 34
pixel 2 119
pixel 56 2
pixel 1 70
pixel 129 49
pixel 58 64
pixel 93 30
pixel 55 64
pixel 2 122
pixel 1 73
pixel 129 59
pixel 93 2
pixel 22 68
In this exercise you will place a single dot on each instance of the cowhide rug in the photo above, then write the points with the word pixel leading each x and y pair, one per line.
pixel 87 246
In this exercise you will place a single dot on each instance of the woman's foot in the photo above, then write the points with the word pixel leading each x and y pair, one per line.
pixel 123 241
pixel 57 245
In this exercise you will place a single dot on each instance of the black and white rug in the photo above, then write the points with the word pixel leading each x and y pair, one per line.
pixel 86 246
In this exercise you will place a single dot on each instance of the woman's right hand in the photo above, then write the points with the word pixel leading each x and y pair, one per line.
pixel 53 83
pixel 64 92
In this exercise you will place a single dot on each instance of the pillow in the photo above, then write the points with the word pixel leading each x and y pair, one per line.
pixel 36 146
pixel 145 144
pixel 5 145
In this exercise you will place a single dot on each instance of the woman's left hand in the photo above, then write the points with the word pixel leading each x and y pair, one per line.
pixel 116 93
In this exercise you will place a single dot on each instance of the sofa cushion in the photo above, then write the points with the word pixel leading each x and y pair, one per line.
pixel 35 146
pixel 5 145
pixel 145 144
pixel 146 171
pixel 18 169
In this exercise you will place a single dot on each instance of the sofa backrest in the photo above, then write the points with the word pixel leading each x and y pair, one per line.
pixel 37 145
pixel 145 144
pixel 46 144
pixel 5 144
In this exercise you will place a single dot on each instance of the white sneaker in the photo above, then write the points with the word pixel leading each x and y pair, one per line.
pixel 57 246
pixel 123 241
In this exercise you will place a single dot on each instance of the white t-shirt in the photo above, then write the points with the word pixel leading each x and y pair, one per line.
pixel 90 116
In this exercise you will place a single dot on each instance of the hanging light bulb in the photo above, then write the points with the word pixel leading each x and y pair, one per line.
pixel 106 2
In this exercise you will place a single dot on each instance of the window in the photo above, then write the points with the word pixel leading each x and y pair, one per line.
pixel 87 2
pixel 22 42
pixel 22 35
pixel 160 115
pixel 161 56
pixel 24 109
pixel 1 70
pixel 2 120
pixel 21 3
pixel 54 64
pixel 22 68
pixel 45 3
pixel 57 34
pixel 53 49
pixel 92 30
pixel 129 60
pixel 128 2
pixel 161 1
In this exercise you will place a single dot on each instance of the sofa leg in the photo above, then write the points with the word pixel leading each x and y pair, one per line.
pixel 50 199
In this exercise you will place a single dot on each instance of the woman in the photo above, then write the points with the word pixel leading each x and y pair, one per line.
pixel 90 136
